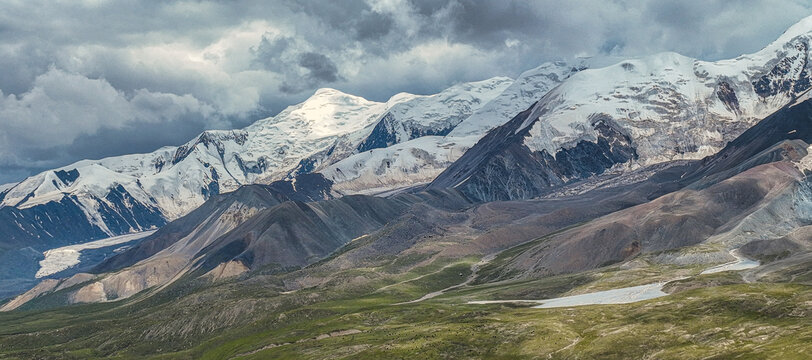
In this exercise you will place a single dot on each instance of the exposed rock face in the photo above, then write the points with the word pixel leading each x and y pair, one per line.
pixel 383 135
pixel 790 74
pixel 728 97
pixel 226 270
pixel 219 215
pixel 133 280
pixel 75 280
pixel 92 293
pixel 500 167
pixel 47 286
pixel 389 131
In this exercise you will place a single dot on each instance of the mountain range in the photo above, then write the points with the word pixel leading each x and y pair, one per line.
pixel 379 228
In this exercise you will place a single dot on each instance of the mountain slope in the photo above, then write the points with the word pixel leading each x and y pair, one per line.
pixel 637 112
pixel 754 190
pixel 420 160
pixel 249 229
pixel 220 214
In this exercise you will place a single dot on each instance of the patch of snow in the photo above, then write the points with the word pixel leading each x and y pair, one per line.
pixel 65 257
pixel 451 106
pixel 625 295
pixel 614 296
pixel 5 187
pixel 415 161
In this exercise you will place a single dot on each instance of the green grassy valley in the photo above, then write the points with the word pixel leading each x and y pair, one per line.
pixel 364 317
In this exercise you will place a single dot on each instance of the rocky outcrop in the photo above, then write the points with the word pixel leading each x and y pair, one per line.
pixel 48 286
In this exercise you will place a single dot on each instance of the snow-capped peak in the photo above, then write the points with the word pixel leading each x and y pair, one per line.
pixel 457 102
pixel 328 112
pixel 802 27
pixel 420 159
pixel 528 87
pixel 674 106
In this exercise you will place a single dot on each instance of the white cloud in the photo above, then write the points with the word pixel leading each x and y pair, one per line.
pixel 63 106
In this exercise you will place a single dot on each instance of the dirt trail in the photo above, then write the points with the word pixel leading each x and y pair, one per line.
pixel 319 337
pixel 416 278
pixel 474 269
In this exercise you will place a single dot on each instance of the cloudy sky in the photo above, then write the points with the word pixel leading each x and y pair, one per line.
pixel 95 78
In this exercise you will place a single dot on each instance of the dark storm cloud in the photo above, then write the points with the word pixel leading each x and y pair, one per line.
pixel 373 25
pixel 137 137
pixel 28 60
pixel 351 20
pixel 338 15
pixel 269 52
pixel 489 23
pixel 308 71
pixel 428 8
pixel 321 68
pixel 96 78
